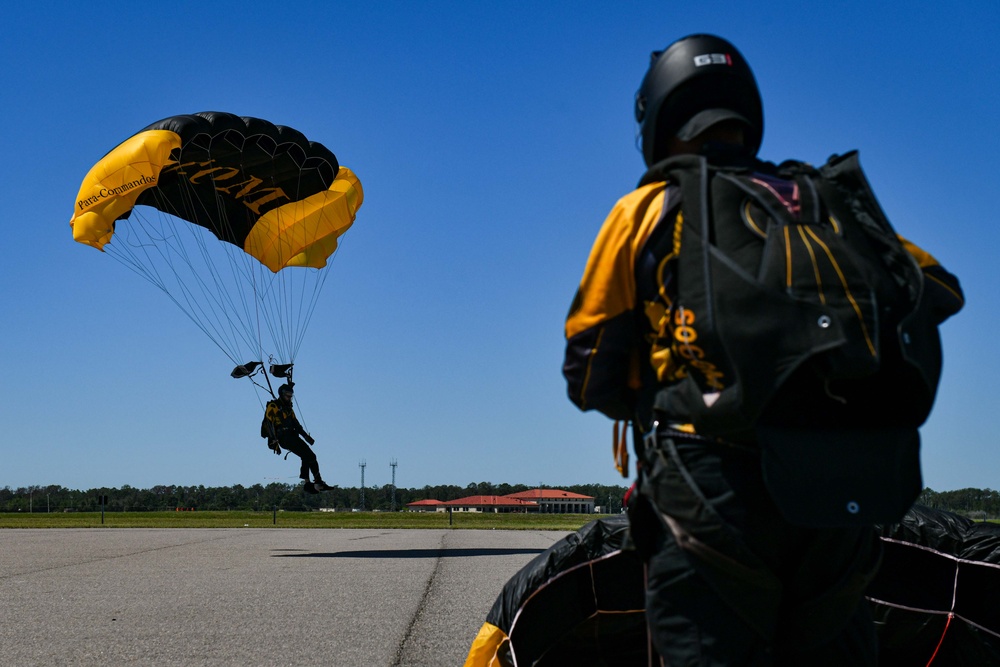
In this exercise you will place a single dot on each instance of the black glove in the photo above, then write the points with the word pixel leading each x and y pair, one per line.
pixel 273 444
pixel 311 440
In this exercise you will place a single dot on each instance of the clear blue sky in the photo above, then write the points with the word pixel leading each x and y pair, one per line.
pixel 492 138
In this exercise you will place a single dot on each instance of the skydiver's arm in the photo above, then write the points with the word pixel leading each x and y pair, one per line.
pixel 600 328
pixel 301 431
pixel 941 288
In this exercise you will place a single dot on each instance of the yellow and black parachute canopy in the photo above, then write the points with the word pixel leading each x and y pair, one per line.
pixel 235 219
pixel 265 188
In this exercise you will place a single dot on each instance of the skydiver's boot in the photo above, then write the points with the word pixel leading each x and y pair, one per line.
pixel 308 486
pixel 320 485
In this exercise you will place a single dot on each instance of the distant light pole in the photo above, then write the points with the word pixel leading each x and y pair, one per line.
pixel 392 506
pixel 362 466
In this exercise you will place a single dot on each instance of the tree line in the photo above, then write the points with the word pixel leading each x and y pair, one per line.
pixel 264 498
pixel 977 502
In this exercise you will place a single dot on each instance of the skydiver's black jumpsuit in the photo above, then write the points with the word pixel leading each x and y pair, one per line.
pixel 729 580
pixel 289 432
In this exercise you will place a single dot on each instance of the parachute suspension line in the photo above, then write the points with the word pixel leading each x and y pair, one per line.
pixel 128 248
pixel 226 310
pixel 253 275
pixel 301 414
pixel 261 281
pixel 267 285
pixel 183 234
pixel 314 301
pixel 257 315
pixel 209 310
pixel 944 632
pixel 216 295
pixel 294 312
pixel 268 388
pixel 300 290
pixel 265 288
pixel 278 293
pixel 241 273
pixel 228 320
pixel 285 296
pixel 253 278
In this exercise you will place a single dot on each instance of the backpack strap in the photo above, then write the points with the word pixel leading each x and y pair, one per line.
pixel 919 342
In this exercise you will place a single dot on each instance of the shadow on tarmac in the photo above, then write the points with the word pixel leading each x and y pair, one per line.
pixel 411 553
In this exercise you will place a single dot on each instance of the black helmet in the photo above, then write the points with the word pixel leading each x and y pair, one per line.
pixel 285 389
pixel 693 84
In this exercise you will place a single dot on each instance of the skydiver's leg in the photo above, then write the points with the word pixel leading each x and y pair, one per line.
pixel 701 612
pixel 313 464
pixel 297 446
pixel 310 465
pixel 689 623
pixel 818 627
pixel 717 496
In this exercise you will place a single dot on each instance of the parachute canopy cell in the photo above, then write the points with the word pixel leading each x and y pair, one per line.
pixel 265 188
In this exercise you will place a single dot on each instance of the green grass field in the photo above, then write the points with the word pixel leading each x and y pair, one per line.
pixel 471 520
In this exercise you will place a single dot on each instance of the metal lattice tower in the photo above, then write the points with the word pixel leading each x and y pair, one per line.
pixel 392 506
pixel 362 466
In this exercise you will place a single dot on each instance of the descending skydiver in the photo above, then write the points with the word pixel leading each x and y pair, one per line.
pixel 282 429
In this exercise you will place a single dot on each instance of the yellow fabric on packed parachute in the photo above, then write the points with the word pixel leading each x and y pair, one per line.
pixel 305 232
pixel 486 646
pixel 111 187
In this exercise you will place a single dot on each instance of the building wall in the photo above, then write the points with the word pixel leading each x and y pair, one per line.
pixel 565 506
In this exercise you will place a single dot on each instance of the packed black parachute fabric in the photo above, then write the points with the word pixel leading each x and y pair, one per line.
pixel 578 603
pixel 581 601
pixel 935 598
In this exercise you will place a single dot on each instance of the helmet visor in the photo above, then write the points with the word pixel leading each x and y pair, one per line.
pixel 703 120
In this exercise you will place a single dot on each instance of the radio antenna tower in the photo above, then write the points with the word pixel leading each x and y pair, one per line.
pixel 392 506
pixel 362 466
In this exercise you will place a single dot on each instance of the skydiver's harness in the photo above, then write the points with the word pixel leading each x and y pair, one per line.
pixel 802 326
pixel 275 432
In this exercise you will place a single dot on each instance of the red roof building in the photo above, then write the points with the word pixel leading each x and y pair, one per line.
pixel 429 505
pixel 491 504
pixel 549 501
pixel 557 501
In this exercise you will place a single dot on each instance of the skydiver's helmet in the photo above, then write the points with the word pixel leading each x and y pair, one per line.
pixel 285 392
pixel 694 83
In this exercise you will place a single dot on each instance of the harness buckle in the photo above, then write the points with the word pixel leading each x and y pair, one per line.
pixel 650 440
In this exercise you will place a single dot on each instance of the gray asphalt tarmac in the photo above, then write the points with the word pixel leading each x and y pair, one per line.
pixel 252 596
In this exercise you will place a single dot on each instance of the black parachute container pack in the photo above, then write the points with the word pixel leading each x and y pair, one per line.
pixel 803 328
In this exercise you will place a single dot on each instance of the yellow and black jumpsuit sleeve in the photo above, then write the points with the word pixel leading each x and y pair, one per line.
pixel 942 290
pixel 601 365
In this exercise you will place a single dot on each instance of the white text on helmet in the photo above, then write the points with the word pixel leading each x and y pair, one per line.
pixel 713 59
